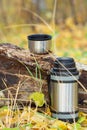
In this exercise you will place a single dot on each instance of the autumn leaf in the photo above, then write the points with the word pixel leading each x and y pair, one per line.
pixel 38 98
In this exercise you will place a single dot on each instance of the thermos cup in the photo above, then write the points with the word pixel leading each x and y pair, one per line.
pixel 39 43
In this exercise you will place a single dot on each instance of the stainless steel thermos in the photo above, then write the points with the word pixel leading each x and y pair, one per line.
pixel 39 43
pixel 63 89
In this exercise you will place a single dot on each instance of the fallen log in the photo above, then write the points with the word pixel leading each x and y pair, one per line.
pixel 25 72
pixel 10 83
pixel 16 60
pixel 20 68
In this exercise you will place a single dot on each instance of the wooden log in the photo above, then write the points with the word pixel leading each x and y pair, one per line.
pixel 19 61
pixel 83 80
pixel 24 85
pixel 20 68
pixel 25 72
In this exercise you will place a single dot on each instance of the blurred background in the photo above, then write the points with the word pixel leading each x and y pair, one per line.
pixel 65 20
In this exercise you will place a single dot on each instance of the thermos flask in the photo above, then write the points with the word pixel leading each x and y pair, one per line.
pixel 63 89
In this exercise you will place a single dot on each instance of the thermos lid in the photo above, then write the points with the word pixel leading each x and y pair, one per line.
pixel 62 62
pixel 39 37
pixel 64 66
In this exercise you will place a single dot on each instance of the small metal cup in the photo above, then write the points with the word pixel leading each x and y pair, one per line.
pixel 39 43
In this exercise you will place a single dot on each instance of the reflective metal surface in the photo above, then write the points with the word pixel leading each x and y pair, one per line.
pixel 39 46
pixel 64 96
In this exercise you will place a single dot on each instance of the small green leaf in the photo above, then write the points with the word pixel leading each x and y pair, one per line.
pixel 81 119
pixel 47 116
pixel 29 124
pixel 77 126
pixel 38 98
pixel 3 108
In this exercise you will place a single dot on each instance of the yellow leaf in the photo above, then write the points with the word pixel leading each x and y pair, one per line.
pixel 38 98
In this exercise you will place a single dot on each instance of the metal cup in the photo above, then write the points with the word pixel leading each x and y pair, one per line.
pixel 39 43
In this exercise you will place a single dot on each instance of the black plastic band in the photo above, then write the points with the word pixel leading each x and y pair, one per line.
pixel 39 37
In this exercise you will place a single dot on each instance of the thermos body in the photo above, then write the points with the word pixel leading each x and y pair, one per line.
pixel 40 47
pixel 63 89
pixel 64 97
